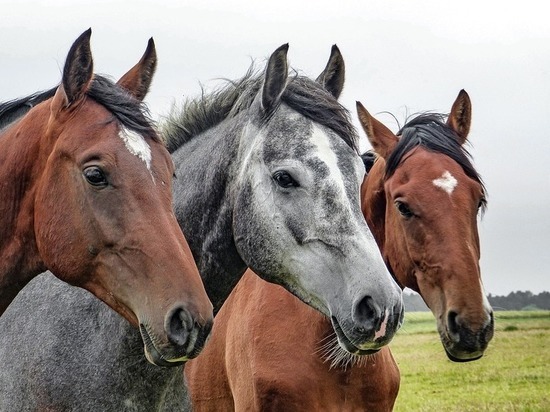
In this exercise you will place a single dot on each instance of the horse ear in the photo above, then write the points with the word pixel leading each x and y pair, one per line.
pixel 380 137
pixel 276 75
pixel 138 79
pixel 461 116
pixel 78 70
pixel 333 76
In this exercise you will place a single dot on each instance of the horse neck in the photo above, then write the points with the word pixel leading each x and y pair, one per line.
pixel 374 206
pixel 204 208
pixel 373 202
pixel 20 164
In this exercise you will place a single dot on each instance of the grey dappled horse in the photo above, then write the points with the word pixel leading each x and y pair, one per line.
pixel 267 177
pixel 62 349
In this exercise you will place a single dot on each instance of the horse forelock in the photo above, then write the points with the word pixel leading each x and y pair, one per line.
pixel 428 130
pixel 129 111
pixel 304 95
pixel 311 100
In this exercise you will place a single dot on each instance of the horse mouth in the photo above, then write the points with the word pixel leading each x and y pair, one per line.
pixel 463 356
pixel 454 351
pixel 346 343
pixel 153 355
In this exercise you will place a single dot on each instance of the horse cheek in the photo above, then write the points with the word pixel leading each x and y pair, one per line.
pixel 53 217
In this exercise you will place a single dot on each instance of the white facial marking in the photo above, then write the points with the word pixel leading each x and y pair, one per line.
pixel 380 333
pixel 446 182
pixel 320 139
pixel 136 144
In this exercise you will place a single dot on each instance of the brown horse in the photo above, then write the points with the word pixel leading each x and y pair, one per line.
pixel 421 200
pixel 86 193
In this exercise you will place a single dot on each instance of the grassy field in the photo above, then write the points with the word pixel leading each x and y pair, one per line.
pixel 514 374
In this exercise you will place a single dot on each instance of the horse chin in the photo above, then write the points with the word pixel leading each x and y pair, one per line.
pixel 153 355
pixel 463 356
pixel 346 344
pixel 455 353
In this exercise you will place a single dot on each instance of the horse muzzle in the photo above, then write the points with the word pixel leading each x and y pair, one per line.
pixel 184 339
pixel 461 343
pixel 371 327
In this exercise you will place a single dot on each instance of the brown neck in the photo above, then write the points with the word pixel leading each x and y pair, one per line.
pixel 19 258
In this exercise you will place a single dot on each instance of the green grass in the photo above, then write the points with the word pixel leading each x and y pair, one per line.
pixel 513 375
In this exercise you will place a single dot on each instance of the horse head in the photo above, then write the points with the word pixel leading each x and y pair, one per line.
pixel 297 214
pixel 102 205
pixel 422 198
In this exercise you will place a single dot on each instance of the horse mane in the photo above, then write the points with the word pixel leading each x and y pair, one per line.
pixel 12 110
pixel 129 111
pixel 302 94
pixel 368 158
pixel 430 131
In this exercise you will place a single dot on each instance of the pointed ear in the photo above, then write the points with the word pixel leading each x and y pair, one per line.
pixel 461 116
pixel 138 79
pixel 332 78
pixel 78 70
pixel 276 75
pixel 380 137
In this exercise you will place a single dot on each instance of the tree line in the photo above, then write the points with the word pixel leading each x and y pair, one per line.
pixel 519 300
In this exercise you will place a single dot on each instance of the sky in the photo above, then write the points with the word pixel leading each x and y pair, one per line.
pixel 401 57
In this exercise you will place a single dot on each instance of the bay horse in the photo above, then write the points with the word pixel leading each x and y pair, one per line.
pixel 269 352
pixel 85 183
pixel 268 176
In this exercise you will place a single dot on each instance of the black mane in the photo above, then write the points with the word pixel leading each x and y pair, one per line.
pixel 302 94
pixel 430 131
pixel 12 110
pixel 129 111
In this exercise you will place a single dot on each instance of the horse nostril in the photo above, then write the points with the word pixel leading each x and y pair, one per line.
pixel 452 323
pixel 487 331
pixel 367 314
pixel 178 325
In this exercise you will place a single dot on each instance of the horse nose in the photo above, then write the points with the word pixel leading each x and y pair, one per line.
pixel 452 325
pixel 376 321
pixel 185 332
pixel 367 314
pixel 468 339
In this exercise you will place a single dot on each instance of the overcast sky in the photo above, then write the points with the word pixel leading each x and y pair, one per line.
pixel 401 56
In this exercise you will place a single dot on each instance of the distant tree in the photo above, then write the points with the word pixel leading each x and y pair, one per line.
pixel 542 300
pixel 413 302
pixel 520 300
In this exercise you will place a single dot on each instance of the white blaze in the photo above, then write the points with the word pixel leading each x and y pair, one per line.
pixel 136 144
pixel 327 155
pixel 446 182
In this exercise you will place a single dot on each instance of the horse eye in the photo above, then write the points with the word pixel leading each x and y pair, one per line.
pixel 404 209
pixel 95 176
pixel 482 205
pixel 284 179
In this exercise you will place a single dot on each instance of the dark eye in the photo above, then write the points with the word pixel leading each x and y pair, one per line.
pixel 95 176
pixel 284 179
pixel 482 205
pixel 404 209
